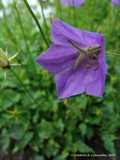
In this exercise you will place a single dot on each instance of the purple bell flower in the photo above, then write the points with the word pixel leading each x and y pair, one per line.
pixel 77 60
pixel 116 2
pixel 75 3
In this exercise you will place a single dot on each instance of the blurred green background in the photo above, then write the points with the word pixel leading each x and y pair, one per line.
pixel 32 119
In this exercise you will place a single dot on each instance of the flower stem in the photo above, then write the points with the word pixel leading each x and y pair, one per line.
pixel 113 54
pixel 11 35
pixel 59 9
pixel 43 15
pixel 26 91
pixel 74 14
pixel 36 21
pixel 24 36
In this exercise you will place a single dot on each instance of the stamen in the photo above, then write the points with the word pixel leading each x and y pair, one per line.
pixel 89 50
pixel 91 53
pixel 75 45
pixel 79 59
pixel 92 49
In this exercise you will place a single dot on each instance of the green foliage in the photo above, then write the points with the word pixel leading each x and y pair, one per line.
pixel 30 114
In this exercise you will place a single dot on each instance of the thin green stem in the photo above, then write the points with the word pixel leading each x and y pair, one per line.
pixel 44 18
pixel 113 54
pixel 59 9
pixel 24 35
pixel 8 29
pixel 7 97
pixel 74 14
pixel 36 21
pixel 26 91
pixel 11 34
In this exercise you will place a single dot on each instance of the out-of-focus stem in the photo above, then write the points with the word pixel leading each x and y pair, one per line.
pixel 74 14
pixel 11 34
pixel 59 9
pixel 36 21
pixel 44 18
pixel 24 36
pixel 6 96
pixel 113 53
pixel 8 29
pixel 26 91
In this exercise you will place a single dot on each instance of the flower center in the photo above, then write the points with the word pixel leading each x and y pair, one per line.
pixel 89 55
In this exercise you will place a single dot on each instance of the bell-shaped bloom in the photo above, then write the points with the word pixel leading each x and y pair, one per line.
pixel 77 60
pixel 116 2
pixel 75 3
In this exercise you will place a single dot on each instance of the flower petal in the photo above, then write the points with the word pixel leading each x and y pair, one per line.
pixel 73 82
pixel 76 3
pixel 57 58
pixel 95 82
pixel 62 32
pixel 116 2
pixel 70 83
